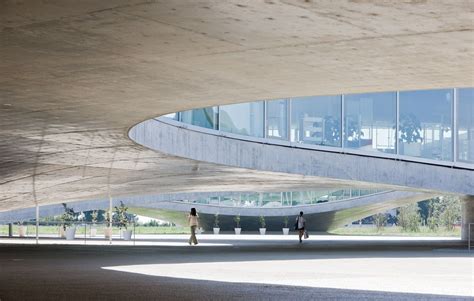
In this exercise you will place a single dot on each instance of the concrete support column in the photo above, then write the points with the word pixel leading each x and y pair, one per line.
pixel 467 216
pixel 37 223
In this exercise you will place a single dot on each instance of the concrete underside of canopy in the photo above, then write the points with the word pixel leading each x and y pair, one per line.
pixel 321 217
pixel 75 76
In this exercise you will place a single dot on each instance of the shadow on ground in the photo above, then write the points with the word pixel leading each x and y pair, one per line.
pixel 49 272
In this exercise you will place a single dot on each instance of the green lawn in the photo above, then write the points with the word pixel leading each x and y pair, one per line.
pixel 387 231
pixel 395 231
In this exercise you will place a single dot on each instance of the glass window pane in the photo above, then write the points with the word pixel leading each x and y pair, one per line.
pixel 250 200
pixel 243 119
pixel 214 200
pixel 206 117
pixel 465 122
pixel 271 199
pixel 277 121
pixel 425 128
pixel 316 120
pixel 369 121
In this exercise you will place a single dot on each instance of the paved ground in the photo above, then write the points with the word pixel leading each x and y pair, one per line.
pixel 222 239
pixel 251 268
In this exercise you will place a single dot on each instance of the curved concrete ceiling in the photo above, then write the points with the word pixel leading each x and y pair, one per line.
pixel 75 76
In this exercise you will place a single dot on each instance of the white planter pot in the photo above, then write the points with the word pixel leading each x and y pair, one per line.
pixel 70 233
pixel 262 231
pixel 286 231
pixel 22 231
pixel 93 232
pixel 127 234
pixel 216 230
pixel 107 232
pixel 237 231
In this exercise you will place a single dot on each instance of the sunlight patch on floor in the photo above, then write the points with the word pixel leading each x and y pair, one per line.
pixel 428 275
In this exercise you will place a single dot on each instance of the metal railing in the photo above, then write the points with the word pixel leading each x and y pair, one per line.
pixel 83 230
pixel 469 236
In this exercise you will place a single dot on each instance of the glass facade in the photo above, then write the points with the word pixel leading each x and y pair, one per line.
pixel 243 119
pixel 428 127
pixel 206 118
pixel 370 121
pixel 425 128
pixel 316 120
pixel 465 125
pixel 277 119
pixel 282 199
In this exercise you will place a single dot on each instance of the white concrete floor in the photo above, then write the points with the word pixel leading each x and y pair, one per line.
pixel 413 274
pixel 211 239
pixel 246 267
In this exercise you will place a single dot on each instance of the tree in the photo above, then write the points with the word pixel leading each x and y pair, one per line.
pixel 444 211
pixel 433 214
pixel 379 220
pixel 261 219
pixel 425 209
pixel 237 220
pixel 353 132
pixel 332 131
pixel 68 216
pixel 121 216
pixel 94 216
pixel 409 218
pixel 451 213
pixel 410 129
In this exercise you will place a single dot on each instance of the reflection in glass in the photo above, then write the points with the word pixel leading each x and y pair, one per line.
pixel 277 119
pixel 206 117
pixel 370 121
pixel 465 112
pixel 243 119
pixel 173 116
pixel 425 128
pixel 214 200
pixel 286 198
pixel 316 120
pixel 425 122
pixel 271 199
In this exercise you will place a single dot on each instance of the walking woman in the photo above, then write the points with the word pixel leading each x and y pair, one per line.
pixel 300 224
pixel 193 223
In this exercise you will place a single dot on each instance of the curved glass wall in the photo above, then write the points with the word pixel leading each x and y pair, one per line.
pixel 370 122
pixel 431 125
pixel 206 118
pixel 243 119
pixel 277 119
pixel 282 199
pixel 465 125
pixel 316 120
pixel 425 128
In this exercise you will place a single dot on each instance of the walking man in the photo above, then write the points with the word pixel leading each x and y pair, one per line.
pixel 299 225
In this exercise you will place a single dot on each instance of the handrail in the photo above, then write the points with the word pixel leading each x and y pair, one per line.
pixel 79 224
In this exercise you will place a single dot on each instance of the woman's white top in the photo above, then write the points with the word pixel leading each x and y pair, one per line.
pixel 193 220
pixel 301 221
